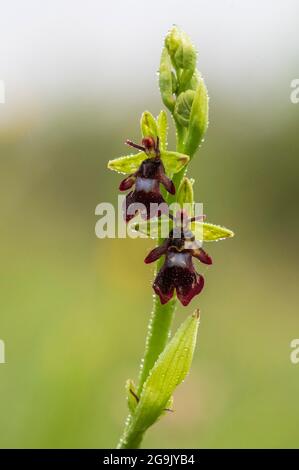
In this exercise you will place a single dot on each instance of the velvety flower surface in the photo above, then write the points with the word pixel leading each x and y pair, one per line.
pixel 146 196
pixel 178 272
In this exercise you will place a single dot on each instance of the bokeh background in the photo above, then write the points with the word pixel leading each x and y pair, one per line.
pixel 74 309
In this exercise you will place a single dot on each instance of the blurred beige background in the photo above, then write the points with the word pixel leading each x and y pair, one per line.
pixel 73 308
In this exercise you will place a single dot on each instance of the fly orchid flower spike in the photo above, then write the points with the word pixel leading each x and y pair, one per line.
pixel 151 166
pixel 180 234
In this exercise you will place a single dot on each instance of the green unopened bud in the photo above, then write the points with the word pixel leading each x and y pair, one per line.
pixel 148 125
pixel 199 118
pixel 185 192
pixel 183 107
pixel 182 54
pixel 166 83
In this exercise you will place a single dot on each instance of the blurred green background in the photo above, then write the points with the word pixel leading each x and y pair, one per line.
pixel 74 309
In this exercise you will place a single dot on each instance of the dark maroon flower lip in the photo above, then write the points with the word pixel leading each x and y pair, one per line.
pixel 147 180
pixel 178 272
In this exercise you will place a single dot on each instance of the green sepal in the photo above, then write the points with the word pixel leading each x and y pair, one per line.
pixel 128 164
pixel 185 192
pixel 174 161
pixel 148 125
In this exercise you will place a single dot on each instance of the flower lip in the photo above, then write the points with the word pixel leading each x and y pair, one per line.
pixel 178 274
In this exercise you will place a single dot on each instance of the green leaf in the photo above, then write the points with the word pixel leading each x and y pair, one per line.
pixel 128 164
pixel 132 398
pixel 165 80
pixel 148 125
pixel 174 161
pixel 169 371
pixel 154 228
pixel 210 232
pixel 199 117
pixel 162 125
pixel 185 192
pixel 183 107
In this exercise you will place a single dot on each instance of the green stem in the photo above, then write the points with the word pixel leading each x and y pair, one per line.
pixel 159 327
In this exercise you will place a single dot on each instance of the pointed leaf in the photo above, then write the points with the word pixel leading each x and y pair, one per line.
pixel 173 161
pixel 199 117
pixel 162 129
pixel 127 164
pixel 210 232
